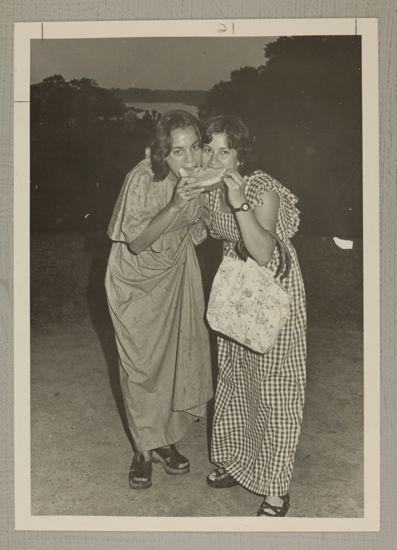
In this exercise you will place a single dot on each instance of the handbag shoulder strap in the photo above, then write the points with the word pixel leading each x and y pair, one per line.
pixel 284 265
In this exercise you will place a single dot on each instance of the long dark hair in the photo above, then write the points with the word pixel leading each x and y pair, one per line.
pixel 238 138
pixel 162 144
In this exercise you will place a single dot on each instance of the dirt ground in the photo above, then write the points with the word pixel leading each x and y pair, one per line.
pixel 81 452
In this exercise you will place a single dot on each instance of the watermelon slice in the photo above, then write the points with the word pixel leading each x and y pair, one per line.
pixel 209 178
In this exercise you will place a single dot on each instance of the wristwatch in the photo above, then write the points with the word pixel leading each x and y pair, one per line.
pixel 243 208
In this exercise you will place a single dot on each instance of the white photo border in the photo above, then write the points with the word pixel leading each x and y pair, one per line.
pixel 24 33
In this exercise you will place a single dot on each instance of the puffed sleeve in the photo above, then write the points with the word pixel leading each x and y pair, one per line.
pixel 136 205
pixel 289 216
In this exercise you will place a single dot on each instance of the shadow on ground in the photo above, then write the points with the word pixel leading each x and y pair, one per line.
pixel 78 420
pixel 75 423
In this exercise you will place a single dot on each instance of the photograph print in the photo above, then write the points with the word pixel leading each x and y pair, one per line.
pixel 196 277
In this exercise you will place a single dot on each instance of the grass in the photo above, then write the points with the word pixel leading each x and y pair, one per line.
pixel 68 268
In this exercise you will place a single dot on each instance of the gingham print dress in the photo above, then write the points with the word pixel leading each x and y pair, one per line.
pixel 259 398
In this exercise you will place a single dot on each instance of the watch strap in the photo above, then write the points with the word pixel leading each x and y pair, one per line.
pixel 244 207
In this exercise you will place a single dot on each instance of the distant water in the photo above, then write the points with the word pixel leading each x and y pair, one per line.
pixel 162 107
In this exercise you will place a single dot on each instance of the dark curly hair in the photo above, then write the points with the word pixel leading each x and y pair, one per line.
pixel 238 138
pixel 162 144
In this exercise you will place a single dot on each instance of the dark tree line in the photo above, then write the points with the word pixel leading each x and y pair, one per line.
pixel 304 109
pixel 81 148
pixel 56 102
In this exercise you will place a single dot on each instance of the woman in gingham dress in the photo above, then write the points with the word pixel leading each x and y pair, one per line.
pixel 259 398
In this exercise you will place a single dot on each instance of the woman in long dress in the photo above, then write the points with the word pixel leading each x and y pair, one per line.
pixel 259 398
pixel 154 289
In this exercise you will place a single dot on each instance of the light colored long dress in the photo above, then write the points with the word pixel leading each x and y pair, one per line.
pixel 260 397
pixel 156 304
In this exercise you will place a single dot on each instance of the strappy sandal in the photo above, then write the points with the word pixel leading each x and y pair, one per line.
pixel 140 476
pixel 272 511
pixel 174 463
pixel 221 479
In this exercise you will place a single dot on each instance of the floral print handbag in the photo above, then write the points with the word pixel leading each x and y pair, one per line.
pixel 247 302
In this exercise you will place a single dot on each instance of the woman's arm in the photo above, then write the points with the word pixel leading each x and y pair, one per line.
pixel 259 244
pixel 166 216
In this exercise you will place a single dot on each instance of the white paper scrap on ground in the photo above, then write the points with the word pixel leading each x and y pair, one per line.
pixel 343 243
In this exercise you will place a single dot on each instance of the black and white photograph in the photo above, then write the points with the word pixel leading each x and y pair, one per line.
pixel 195 223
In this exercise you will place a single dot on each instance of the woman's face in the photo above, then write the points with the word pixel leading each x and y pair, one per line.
pixel 185 151
pixel 218 154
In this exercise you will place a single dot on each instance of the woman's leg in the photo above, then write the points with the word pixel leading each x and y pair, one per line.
pixel 281 418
